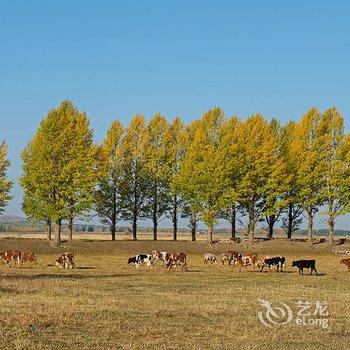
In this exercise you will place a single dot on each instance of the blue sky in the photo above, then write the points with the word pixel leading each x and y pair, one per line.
pixel 114 59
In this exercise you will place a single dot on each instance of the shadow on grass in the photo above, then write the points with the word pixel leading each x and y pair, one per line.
pixel 4 290
pixel 63 276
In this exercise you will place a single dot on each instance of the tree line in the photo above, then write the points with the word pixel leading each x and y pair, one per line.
pixel 216 167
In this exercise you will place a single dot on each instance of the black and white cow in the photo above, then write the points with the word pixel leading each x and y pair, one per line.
pixel 141 259
pixel 278 261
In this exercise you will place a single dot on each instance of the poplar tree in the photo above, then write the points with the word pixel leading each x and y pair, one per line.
pixel 275 200
pixel 293 219
pixel 5 184
pixel 229 144
pixel 58 176
pixel 260 171
pixel 157 171
pixel 335 176
pixel 203 171
pixel 107 195
pixel 306 147
pixel 81 166
pixel 176 140
pixel 134 175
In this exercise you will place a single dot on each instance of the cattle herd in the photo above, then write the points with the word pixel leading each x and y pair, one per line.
pixel 171 260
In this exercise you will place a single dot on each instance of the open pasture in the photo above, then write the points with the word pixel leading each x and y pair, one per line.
pixel 104 303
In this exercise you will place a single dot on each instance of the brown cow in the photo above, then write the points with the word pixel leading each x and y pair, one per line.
pixel 346 262
pixel 11 255
pixel 176 259
pixel 28 256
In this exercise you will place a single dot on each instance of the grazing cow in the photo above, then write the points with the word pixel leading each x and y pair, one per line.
pixel 278 261
pixel 233 256
pixel 157 255
pixel 224 258
pixel 176 259
pixel 254 257
pixel 66 261
pixel 260 263
pixel 243 261
pixel 141 259
pixel 305 264
pixel 346 262
pixel 209 257
pixel 11 255
pixel 28 256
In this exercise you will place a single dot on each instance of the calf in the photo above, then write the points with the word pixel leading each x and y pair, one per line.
pixel 254 257
pixel 233 256
pixel 305 264
pixel 172 260
pixel 224 258
pixel 244 261
pixel 141 259
pixel 278 261
pixel 346 262
pixel 28 256
pixel 209 257
pixel 157 255
pixel 11 255
pixel 66 261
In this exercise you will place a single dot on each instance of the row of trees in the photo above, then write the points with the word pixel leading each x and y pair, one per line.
pixel 215 167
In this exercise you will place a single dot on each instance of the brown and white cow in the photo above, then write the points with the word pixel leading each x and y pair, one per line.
pixel 158 255
pixel 11 255
pixel 66 261
pixel 28 256
pixel 346 262
pixel 177 259
pixel 244 261
pixel 224 258
pixel 233 256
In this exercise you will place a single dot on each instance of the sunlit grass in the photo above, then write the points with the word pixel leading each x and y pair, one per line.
pixel 105 303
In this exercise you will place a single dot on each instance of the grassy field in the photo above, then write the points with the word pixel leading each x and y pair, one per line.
pixel 106 304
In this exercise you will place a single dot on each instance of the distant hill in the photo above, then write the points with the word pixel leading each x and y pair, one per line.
pixel 4 219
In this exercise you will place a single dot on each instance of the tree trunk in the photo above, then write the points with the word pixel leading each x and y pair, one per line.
pixel 290 221
pixel 114 216
pixel 210 234
pixel 310 224
pixel 49 230
pixel 175 219
pixel 251 225
pixel 193 225
pixel 134 227
pixel 155 218
pixel 271 220
pixel 58 228
pixel 70 227
pixel 233 221
pixel 331 230
pixel 113 229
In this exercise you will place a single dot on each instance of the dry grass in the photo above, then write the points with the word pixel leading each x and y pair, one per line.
pixel 105 303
